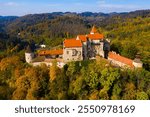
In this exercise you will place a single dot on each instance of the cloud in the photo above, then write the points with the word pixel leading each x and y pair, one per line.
pixel 11 4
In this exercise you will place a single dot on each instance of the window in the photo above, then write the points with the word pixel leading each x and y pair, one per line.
pixel 74 52
pixel 67 52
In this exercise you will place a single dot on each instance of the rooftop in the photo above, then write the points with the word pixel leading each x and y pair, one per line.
pixel 50 52
pixel 69 43
pixel 83 38
pixel 95 36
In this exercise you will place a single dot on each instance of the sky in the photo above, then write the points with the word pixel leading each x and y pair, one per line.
pixel 24 7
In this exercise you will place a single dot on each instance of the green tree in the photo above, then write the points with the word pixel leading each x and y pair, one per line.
pixel 142 96
pixel 129 50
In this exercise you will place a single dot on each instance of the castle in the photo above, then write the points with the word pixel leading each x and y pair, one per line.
pixel 81 48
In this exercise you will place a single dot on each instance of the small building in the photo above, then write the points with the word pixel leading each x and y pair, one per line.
pixel 124 62
pixel 120 61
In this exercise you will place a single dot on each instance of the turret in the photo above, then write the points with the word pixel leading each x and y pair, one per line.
pixel 94 30
pixel 29 55
pixel 137 62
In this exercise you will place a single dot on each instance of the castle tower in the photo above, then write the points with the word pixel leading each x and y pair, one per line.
pixel 94 30
pixel 137 62
pixel 29 55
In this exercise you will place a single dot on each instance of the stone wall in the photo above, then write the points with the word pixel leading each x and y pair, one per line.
pixel 72 54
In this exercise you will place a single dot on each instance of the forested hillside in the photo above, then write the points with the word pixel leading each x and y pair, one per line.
pixel 5 20
pixel 129 34
pixel 77 80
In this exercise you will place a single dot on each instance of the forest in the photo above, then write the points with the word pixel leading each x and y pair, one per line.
pixel 81 80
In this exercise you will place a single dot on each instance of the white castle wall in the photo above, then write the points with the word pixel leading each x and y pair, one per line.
pixel 59 64
pixel 137 65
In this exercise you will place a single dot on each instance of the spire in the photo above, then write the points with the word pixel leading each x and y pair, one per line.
pixel 28 49
pixel 94 30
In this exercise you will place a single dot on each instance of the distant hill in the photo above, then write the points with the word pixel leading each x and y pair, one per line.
pixel 5 20
pixel 48 24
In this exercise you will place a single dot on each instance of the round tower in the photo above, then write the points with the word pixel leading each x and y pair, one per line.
pixel 29 55
pixel 137 62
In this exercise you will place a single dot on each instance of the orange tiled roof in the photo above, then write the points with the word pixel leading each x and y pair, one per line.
pixel 69 43
pixel 82 38
pixel 95 36
pixel 94 30
pixel 121 59
pixel 50 52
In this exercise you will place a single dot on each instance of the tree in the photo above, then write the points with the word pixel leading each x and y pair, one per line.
pixel 92 79
pixel 129 92
pixel 116 91
pixel 22 86
pixel 129 50
pixel 54 70
pixel 109 76
pixel 142 96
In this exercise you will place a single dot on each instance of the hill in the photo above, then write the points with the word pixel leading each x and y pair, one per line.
pixel 5 20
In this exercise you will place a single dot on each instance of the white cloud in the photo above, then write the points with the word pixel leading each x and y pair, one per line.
pixel 11 4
